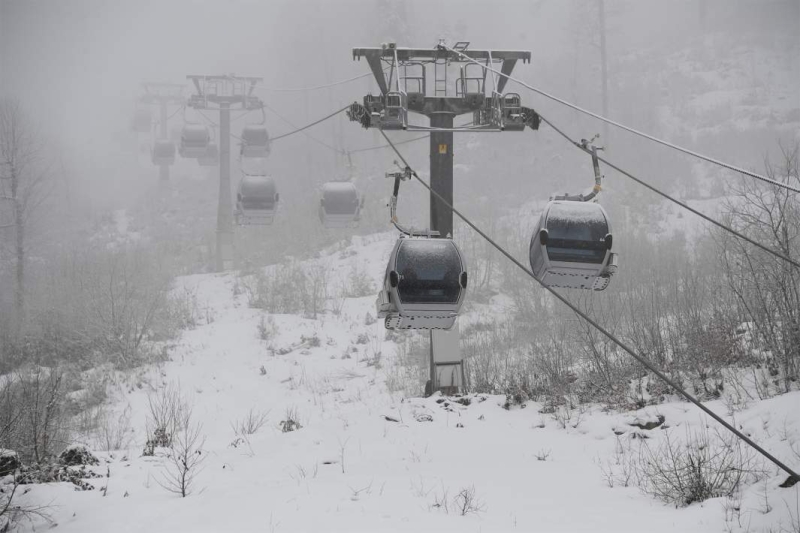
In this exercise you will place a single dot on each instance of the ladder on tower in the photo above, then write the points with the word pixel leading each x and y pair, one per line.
pixel 440 69
pixel 440 77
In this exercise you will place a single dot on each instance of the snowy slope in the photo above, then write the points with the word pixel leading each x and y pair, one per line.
pixel 349 468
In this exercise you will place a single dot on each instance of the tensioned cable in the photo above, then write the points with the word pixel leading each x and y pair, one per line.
pixel 631 130
pixel 661 193
pixel 290 123
pixel 181 108
pixel 389 146
pixel 298 130
pixel 793 475
pixel 301 89
pixel 407 140
pixel 234 119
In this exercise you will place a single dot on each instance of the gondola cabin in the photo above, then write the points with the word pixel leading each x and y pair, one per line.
pixel 255 141
pixel 571 246
pixel 340 205
pixel 211 156
pixel 163 152
pixel 425 284
pixel 195 139
pixel 256 200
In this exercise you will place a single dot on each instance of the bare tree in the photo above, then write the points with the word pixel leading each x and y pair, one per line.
pixel 767 288
pixel 24 178
pixel 186 455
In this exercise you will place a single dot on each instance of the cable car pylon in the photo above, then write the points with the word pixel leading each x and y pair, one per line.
pixel 163 95
pixel 404 90
pixel 220 92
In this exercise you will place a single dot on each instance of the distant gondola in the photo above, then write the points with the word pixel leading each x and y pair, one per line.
pixel 256 200
pixel 340 205
pixel 571 246
pixel 255 141
pixel 425 284
pixel 195 139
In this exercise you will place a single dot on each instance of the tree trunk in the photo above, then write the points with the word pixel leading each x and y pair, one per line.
pixel 19 231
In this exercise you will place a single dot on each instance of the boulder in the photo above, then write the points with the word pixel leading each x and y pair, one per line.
pixel 9 462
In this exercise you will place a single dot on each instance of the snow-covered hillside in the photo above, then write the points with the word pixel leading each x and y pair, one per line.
pixel 366 459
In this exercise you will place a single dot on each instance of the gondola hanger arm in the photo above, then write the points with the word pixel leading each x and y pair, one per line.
pixel 590 148
pixel 405 174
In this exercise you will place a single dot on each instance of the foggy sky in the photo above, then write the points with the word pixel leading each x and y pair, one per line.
pixel 77 65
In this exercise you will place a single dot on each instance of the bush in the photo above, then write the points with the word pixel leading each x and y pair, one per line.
pixel 76 455
pixel 33 413
pixel 287 289
pixel 707 465
pixel 250 424
pixel 166 410
pixel 292 421
pixel 359 284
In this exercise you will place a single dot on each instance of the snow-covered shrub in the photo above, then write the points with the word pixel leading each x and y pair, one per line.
pixel 76 455
pixel 358 284
pixel 291 422
pixel 33 417
pixel 704 465
pixel 287 289
pixel 167 409
pixel 311 341
pixel 180 311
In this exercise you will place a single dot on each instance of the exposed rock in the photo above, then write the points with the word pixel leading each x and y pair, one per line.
pixel 9 462
pixel 648 424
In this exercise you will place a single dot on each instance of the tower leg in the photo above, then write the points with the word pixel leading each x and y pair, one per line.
pixel 224 251
pixel 444 345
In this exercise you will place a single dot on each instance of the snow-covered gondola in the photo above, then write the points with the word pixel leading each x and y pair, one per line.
pixel 255 141
pixel 256 200
pixel 571 246
pixel 163 152
pixel 425 284
pixel 195 139
pixel 340 205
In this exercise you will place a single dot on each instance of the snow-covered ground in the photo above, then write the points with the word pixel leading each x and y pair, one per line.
pixel 366 459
